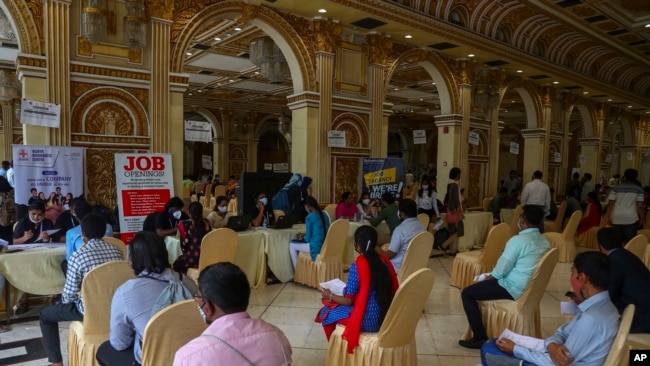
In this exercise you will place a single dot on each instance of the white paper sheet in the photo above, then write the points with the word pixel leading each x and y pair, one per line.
pixel 532 343
pixel 336 286
pixel 37 245
pixel 481 277
pixel 437 225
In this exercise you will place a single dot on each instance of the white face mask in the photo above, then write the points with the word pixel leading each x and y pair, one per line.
pixel 205 317
pixel 222 209
pixel 34 221
pixel 366 201
pixel 398 216
pixel 519 225
pixel 425 186
pixel 177 214
pixel 264 201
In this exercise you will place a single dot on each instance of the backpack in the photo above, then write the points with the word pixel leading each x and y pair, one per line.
pixel 174 292
pixel 7 209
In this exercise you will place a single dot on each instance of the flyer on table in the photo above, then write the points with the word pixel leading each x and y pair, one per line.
pixel 144 185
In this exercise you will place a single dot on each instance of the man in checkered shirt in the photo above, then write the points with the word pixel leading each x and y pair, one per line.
pixel 94 252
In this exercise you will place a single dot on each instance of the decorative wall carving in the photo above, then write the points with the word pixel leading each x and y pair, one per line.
pixel 28 15
pixel 355 127
pixel 346 173
pixel 100 168
pixel 163 9
pixel 379 49
pixel 472 194
pixel 327 35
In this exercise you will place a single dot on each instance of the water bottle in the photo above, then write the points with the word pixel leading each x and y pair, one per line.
pixel 265 223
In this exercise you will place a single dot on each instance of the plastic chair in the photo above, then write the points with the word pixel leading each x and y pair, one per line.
pixel 555 226
pixel 329 263
pixel 168 331
pixel 219 245
pixel 424 220
pixel 97 289
pixel 618 353
pixel 331 210
pixel 514 229
pixel 394 344
pixel 417 255
pixel 565 241
pixel 468 265
pixel 116 242
pixel 638 245
pixel 277 214
pixel 520 316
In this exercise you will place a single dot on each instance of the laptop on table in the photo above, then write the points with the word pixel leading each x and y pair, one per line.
pixel 239 223
pixel 285 222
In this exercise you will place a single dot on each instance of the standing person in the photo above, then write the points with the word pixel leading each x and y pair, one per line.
pixel 263 212
pixel 311 241
pixel 222 300
pixel 427 198
pixel 511 183
pixel 166 222
pixel 192 233
pixel 537 193
pixel 498 202
pixel 95 252
pixel 389 214
pixel 404 232
pixel 625 210
pixel 511 275
pixel 587 188
pixel 371 286
pixel 346 209
pixel 219 216
pixel 33 228
pixel 574 186
pixel 411 187
pixel 133 300
pixel 454 203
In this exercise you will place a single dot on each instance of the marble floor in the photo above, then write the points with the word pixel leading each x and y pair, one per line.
pixel 293 307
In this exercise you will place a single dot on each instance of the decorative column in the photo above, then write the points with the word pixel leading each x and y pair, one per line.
pixel 497 79
pixel 449 142
pixel 305 130
pixel 379 49
pixel 613 130
pixel 57 44
pixel 545 123
pixel 534 151
pixel 465 70
pixel 568 102
pixel 7 117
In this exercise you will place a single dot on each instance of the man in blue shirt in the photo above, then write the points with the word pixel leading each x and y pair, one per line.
pixel 586 340
pixel 404 232
pixel 510 276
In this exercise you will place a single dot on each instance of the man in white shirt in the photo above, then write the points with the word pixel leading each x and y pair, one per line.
pixel 625 210
pixel 537 193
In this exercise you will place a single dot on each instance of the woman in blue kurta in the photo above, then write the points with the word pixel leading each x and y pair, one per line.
pixel 317 222
pixel 371 285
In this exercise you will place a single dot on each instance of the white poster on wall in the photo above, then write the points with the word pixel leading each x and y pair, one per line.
pixel 206 162
pixel 473 138
pixel 198 131
pixel 144 185
pixel 40 113
pixel 630 156
pixel 336 138
pixel 514 148
pixel 45 169
pixel 281 168
pixel 419 137
pixel 268 166
pixel 583 159
pixel 557 157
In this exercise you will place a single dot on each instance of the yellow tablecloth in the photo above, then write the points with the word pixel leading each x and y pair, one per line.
pixel 35 271
pixel 277 250
pixel 477 224
pixel 349 254
pixel 506 215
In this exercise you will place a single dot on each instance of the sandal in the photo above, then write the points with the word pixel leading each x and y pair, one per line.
pixel 4 328
pixel 21 308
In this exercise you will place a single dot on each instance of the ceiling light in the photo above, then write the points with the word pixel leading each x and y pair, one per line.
pixel 434 83
pixel 257 72
pixel 188 53
pixel 556 82
pixel 322 11
pixel 629 106
pixel 217 39
pixel 470 55
pixel 190 94
pixel 506 111
pixel 609 100
pixel 408 36
pixel 396 89
pixel 231 80
pixel 200 91
pixel 647 112
pixel 585 92
pixel 520 71
pixel 513 101
pixel 237 29
pixel 647 25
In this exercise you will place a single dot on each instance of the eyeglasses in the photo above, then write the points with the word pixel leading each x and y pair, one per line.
pixel 199 300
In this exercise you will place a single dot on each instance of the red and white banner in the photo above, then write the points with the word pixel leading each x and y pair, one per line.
pixel 144 185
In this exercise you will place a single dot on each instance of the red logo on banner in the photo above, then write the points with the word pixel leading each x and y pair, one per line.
pixel 144 163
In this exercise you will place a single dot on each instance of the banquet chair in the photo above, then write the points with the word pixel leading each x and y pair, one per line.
pixel 213 202
pixel 394 344
pixel 565 241
pixel 169 330
pixel 277 214
pixel 522 315
pixel 97 289
pixel 467 265
pixel 118 243
pixel 486 204
pixel 555 226
pixel 424 220
pixel 618 354
pixel 220 191
pixel 331 210
pixel 514 229
pixel 638 245
pixel 589 238
pixel 329 263
pixel 219 245
pixel 187 191
pixel 208 192
pixel 417 255
pixel 202 201
pixel 199 187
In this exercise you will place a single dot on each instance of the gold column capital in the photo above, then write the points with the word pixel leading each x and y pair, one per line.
pixel 327 35
pixel 466 70
pixel 162 9
pixel 545 92
pixel 568 100
pixel 600 110
pixel 380 48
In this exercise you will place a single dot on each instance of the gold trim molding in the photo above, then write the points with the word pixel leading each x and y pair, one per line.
pixel 87 49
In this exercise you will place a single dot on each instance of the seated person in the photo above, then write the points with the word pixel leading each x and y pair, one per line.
pixel 222 299
pixel 346 209
pixel 316 225
pixel 511 275
pixel 192 232
pixel 167 221
pixel 133 300
pixel 263 212
pixel 404 232
pixel 64 222
pixel 629 281
pixel 367 206
pixel 498 202
pixel 585 340
pixel 219 216
pixel 73 237
pixel 232 203
pixel 593 216
pixel 32 228
pixel 388 214
pixel 572 205
pixel 370 289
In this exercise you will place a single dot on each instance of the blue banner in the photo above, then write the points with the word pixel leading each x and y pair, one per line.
pixel 381 175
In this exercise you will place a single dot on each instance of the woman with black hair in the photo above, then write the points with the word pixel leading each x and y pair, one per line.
pixel 371 285
pixel 167 221
pixel 454 203
pixel 316 224
pixel 192 233
pixel 219 216
pixel 593 217
pixel 427 198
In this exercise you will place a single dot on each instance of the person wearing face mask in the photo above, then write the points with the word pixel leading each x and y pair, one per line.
pixel 404 232
pixel 263 212
pixel 218 218
pixel 585 340
pixel 95 252
pixel 192 233
pixel 316 225
pixel 427 198
pixel 133 300
pixel 167 221
pixel 366 206
pixel 222 300
pixel 346 209
pixel 510 276
pixel 32 228
pixel 389 214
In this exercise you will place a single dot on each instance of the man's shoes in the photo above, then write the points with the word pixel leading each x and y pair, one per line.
pixel 472 343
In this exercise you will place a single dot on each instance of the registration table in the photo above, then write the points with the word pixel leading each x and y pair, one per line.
pixel 476 224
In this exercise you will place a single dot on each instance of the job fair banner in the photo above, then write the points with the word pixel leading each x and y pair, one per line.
pixel 381 175
pixel 144 185
pixel 46 168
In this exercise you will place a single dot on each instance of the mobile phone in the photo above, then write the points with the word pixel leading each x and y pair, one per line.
pixel 570 294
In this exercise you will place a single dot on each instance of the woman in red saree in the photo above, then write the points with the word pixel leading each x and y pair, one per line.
pixel 371 285
pixel 592 219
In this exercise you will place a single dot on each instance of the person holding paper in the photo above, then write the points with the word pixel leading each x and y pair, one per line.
pixel 585 340
pixel 371 285
pixel 33 227
pixel 510 276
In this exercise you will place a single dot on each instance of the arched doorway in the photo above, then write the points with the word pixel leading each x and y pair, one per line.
pixel 272 152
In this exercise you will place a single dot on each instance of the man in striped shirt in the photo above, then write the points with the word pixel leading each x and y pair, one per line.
pixel 625 207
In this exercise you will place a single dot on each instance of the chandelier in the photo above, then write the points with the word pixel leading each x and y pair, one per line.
pixel 266 54
pixel 135 31
pixel 93 21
